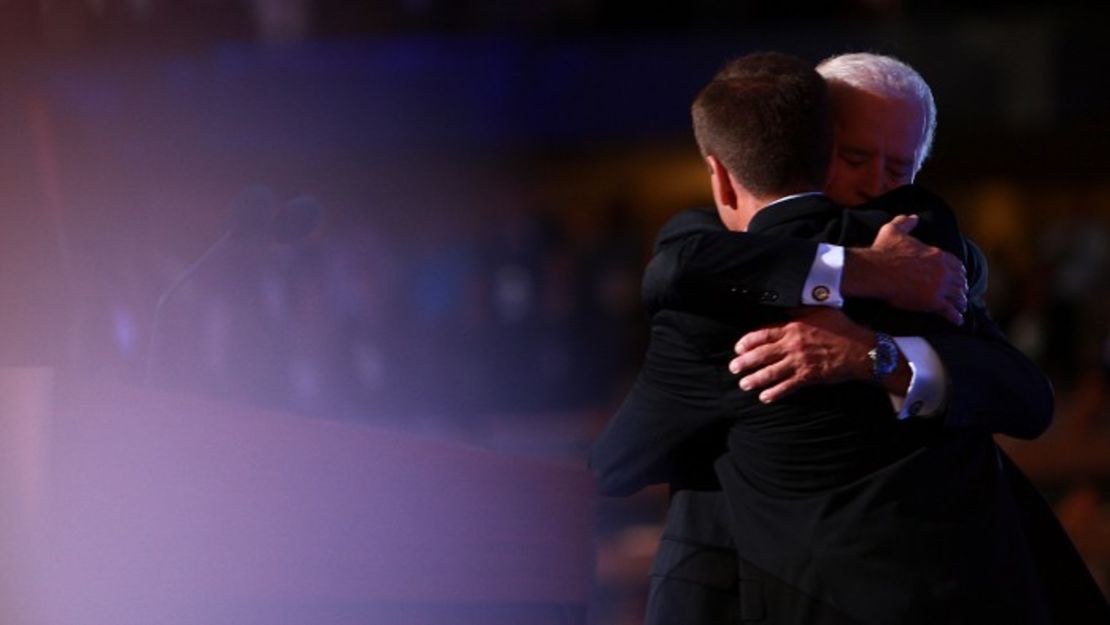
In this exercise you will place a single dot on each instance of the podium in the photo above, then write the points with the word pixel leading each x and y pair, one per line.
pixel 134 506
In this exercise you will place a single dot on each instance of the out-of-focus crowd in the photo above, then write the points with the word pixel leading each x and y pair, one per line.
pixel 462 317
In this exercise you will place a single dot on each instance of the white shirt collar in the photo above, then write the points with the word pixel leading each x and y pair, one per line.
pixel 791 197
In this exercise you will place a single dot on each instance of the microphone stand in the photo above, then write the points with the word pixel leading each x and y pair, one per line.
pixel 167 295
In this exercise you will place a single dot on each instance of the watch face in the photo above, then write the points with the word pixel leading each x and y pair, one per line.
pixel 884 357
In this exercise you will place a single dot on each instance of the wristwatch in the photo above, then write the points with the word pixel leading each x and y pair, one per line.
pixel 884 357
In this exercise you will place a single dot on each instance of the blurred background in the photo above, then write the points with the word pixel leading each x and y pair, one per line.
pixel 487 179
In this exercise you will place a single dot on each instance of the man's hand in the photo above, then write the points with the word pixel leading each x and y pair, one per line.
pixel 907 273
pixel 821 346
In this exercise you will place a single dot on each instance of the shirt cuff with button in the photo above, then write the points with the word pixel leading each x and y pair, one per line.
pixel 928 391
pixel 822 285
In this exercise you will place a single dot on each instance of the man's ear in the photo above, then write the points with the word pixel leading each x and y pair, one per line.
pixel 724 194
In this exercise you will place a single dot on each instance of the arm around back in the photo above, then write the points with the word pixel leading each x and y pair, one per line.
pixel 700 266
pixel 675 397
pixel 992 385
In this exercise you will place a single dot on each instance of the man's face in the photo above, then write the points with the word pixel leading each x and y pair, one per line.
pixel 875 145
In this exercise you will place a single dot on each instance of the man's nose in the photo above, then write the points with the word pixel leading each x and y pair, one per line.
pixel 873 185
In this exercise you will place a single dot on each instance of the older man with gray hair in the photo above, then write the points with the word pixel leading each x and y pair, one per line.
pixel 885 121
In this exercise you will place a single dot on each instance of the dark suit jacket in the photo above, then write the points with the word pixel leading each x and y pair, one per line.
pixel 700 267
pixel 834 454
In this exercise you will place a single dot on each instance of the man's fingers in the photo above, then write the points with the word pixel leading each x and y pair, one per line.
pixel 953 265
pixel 954 293
pixel 780 390
pixel 958 293
pixel 751 340
pixel 956 296
pixel 759 356
pixel 904 223
pixel 767 376
pixel 951 314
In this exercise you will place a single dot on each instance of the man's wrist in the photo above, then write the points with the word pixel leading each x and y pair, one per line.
pixel 884 358
pixel 822 285
pixel 927 393
pixel 863 275
pixel 897 380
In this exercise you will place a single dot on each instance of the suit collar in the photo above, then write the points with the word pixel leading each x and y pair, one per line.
pixel 791 209
pixel 793 196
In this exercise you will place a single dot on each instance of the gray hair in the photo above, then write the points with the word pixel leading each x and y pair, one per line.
pixel 889 77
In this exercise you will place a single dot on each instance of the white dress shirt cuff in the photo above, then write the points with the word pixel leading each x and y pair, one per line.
pixel 928 391
pixel 822 286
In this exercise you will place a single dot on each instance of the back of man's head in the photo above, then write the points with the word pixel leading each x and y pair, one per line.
pixel 887 77
pixel 766 117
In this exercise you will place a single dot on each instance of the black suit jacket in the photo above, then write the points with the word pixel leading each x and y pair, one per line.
pixel 828 488
pixel 752 278
pixel 701 267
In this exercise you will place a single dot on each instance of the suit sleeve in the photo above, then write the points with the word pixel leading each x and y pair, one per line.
pixel 992 385
pixel 675 397
pixel 700 266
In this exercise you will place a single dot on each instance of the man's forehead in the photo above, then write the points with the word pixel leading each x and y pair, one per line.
pixel 849 146
pixel 866 120
pixel 853 101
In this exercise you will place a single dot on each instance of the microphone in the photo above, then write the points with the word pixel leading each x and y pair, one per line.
pixel 252 212
pixel 252 216
pixel 296 220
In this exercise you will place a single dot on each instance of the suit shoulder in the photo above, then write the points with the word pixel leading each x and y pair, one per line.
pixel 687 223
pixel 912 198
pixel 937 221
